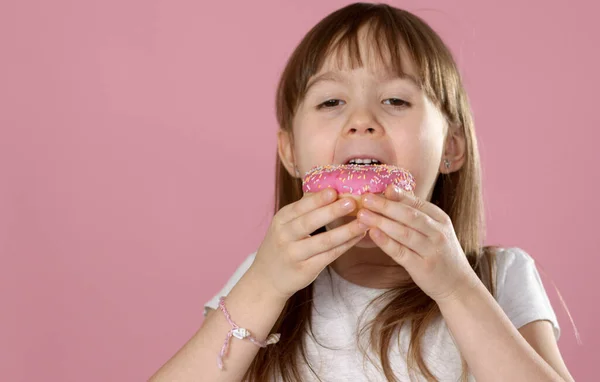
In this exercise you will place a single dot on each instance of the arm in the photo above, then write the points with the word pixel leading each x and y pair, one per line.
pixel 252 306
pixel 493 348
pixel 288 260
pixel 540 336
pixel 420 236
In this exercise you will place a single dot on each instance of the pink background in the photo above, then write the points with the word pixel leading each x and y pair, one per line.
pixel 117 116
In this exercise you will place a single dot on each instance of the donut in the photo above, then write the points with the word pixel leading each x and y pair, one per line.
pixel 354 180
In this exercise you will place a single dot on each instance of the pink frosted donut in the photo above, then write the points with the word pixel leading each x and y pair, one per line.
pixel 354 180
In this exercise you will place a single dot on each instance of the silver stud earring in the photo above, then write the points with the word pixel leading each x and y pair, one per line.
pixel 447 164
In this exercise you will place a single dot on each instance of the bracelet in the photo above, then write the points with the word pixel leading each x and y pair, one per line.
pixel 240 333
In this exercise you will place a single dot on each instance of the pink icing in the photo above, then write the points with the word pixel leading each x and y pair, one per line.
pixel 357 179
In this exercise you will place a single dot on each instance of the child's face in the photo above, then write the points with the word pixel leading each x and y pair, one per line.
pixel 369 112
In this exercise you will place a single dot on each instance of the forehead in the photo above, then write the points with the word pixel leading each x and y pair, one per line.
pixel 380 55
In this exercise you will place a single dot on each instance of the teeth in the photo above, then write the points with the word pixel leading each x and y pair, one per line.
pixel 364 161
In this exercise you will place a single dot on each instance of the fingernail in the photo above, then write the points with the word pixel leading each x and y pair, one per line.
pixel 328 194
pixel 368 200
pixel 365 217
pixel 398 190
pixel 363 227
pixel 347 204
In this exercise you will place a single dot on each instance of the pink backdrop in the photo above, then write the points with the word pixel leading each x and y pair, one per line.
pixel 116 116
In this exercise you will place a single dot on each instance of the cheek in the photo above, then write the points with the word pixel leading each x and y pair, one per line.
pixel 431 148
pixel 313 144
pixel 420 153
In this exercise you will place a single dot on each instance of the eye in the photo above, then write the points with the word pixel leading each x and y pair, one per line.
pixel 396 102
pixel 330 103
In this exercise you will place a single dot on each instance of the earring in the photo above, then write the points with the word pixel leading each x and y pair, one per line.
pixel 297 172
pixel 447 164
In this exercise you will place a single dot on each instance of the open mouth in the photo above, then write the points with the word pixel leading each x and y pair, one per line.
pixel 364 162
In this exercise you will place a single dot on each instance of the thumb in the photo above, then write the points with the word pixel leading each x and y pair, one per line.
pixel 393 192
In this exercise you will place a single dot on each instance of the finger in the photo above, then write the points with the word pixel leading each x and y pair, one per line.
pixel 309 202
pixel 402 213
pixel 308 223
pixel 329 240
pixel 398 252
pixel 401 233
pixel 320 261
pixel 398 194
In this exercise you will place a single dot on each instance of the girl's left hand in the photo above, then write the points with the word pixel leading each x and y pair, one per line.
pixel 419 236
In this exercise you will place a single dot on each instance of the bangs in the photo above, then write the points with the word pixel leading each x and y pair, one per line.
pixel 385 49
pixel 388 47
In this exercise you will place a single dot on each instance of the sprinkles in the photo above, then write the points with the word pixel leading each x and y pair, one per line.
pixel 357 179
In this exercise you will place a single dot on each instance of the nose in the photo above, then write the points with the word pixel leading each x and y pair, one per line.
pixel 363 122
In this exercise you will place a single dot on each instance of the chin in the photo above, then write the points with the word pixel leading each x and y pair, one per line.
pixel 367 242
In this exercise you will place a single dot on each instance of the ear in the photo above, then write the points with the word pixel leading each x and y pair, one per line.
pixel 286 152
pixel 454 150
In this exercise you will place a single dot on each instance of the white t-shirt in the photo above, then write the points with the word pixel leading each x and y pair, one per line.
pixel 338 305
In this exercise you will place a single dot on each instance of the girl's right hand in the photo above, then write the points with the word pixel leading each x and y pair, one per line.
pixel 289 259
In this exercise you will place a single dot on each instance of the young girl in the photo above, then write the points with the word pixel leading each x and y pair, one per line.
pixel 404 291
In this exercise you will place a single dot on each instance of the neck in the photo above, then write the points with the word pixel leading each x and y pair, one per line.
pixel 371 268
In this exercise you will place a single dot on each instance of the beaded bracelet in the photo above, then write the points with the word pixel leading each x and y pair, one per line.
pixel 240 333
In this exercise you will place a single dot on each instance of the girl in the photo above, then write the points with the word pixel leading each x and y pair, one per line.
pixel 404 290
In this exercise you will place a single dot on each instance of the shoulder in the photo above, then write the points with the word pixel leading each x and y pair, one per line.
pixel 510 260
pixel 520 290
pixel 514 267
pixel 509 256
pixel 230 283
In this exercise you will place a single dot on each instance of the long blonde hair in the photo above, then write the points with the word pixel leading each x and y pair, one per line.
pixel 458 194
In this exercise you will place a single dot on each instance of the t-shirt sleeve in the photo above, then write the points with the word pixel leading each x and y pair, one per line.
pixel 213 303
pixel 520 291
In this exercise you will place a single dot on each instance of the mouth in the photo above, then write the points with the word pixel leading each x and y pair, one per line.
pixel 364 161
